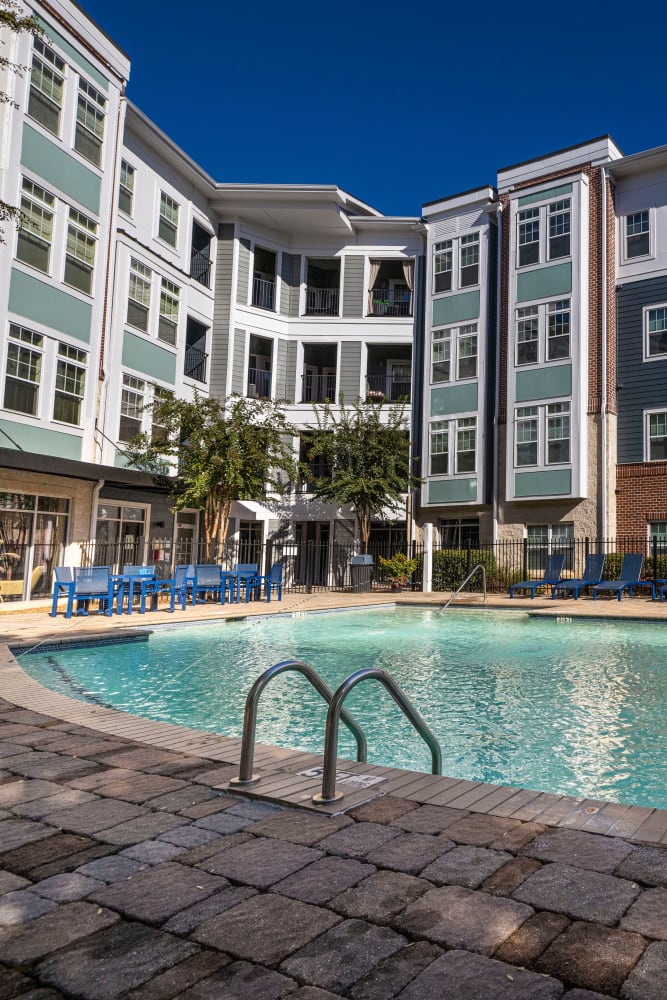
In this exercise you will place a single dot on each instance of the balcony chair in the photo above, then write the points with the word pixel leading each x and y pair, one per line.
pixel 273 579
pixel 629 577
pixel 552 575
pixel 592 575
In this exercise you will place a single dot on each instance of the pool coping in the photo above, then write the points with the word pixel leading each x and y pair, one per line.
pixel 282 779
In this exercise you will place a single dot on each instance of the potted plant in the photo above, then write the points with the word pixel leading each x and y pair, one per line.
pixel 398 569
pixel 380 306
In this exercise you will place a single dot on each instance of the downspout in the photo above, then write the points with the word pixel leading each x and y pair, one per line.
pixel 603 361
pixel 496 407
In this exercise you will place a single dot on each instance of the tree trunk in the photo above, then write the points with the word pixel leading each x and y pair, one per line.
pixel 364 528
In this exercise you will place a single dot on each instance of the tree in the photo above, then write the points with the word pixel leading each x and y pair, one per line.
pixel 12 17
pixel 366 451
pixel 227 450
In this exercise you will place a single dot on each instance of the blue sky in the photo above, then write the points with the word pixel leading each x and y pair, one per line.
pixel 397 103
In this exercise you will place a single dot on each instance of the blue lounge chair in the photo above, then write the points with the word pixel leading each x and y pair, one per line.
pixel 552 574
pixel 63 586
pixel 592 575
pixel 629 577
pixel 92 583
pixel 274 579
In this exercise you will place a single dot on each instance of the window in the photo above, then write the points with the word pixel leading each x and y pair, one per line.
pixel 657 531
pixel 70 384
pixel 80 251
pixel 168 322
pixel 657 436
pixel 126 188
pixel 458 257
pixel 544 231
pixel 24 370
pixel 46 87
pixel 168 224
pixel 90 115
pixel 158 430
pixel 200 255
pixel 543 332
pixel 459 532
pixel 542 434
pixel 139 295
pixel 655 325
pixel 454 350
pixel 442 266
pixel 546 538
pixel 36 233
pixel 462 431
pixel 637 235
pixel 131 407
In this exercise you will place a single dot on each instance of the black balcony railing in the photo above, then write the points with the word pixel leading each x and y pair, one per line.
pixel 388 388
pixel 389 302
pixel 263 292
pixel 259 383
pixel 322 301
pixel 194 365
pixel 313 471
pixel 200 268
pixel 318 388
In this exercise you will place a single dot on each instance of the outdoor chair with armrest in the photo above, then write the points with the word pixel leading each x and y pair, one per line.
pixel 247 575
pixel 273 579
pixel 552 575
pixel 176 587
pixel 591 576
pixel 209 579
pixel 142 577
pixel 93 583
pixel 63 585
pixel 629 577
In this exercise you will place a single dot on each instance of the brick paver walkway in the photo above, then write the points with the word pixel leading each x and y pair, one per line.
pixel 127 871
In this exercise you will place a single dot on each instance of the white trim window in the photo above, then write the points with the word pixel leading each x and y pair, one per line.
pixel 456 263
pixel 637 234
pixel 454 353
pixel 168 221
pixel 23 374
pixel 657 531
pixel 132 400
pixel 461 460
pixel 70 385
pixel 655 332
pixel 543 332
pixel 545 538
pixel 47 80
pixel 80 251
pixel 542 434
pixel 33 245
pixel 544 232
pixel 168 319
pixel 126 188
pixel 655 435
pixel 139 295
pixel 90 117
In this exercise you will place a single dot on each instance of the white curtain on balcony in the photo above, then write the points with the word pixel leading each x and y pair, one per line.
pixel 373 271
pixel 409 275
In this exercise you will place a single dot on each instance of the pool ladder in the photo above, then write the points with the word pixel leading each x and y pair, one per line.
pixel 335 713
pixel 467 579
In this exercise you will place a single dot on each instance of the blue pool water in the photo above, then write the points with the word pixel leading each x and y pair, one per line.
pixel 574 708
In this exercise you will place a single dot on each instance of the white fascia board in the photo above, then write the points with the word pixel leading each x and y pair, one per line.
pixel 466 199
pixel 595 152
pixel 636 163
pixel 153 136
pixel 70 20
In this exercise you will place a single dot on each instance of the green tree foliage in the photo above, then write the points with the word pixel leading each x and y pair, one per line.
pixel 367 450
pixel 12 17
pixel 235 449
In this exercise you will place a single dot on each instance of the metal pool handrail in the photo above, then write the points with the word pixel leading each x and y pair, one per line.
pixel 329 793
pixel 469 577
pixel 246 777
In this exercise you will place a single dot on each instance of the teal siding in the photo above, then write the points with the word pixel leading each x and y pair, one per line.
pixel 33 299
pixel 456 308
pixel 544 383
pixel 555 192
pixel 550 483
pixel 41 441
pixel 454 399
pixel 452 490
pixel 60 170
pixel 544 282
pixel 74 55
pixel 148 358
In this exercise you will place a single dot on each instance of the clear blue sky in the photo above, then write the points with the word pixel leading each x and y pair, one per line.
pixel 398 103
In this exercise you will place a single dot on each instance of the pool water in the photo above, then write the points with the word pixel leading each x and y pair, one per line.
pixel 577 708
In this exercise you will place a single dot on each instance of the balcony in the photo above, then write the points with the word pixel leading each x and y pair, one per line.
pixel 322 301
pixel 388 388
pixel 200 268
pixel 259 384
pixel 194 365
pixel 314 470
pixel 318 388
pixel 263 292
pixel 390 302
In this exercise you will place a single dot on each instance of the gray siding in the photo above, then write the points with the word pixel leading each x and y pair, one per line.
pixel 243 273
pixel 290 373
pixel 281 369
pixel 291 284
pixel 642 384
pixel 238 371
pixel 353 286
pixel 220 332
pixel 350 367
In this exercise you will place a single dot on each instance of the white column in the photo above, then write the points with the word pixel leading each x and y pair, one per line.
pixel 427 581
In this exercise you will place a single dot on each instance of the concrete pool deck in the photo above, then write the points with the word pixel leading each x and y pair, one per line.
pixel 128 869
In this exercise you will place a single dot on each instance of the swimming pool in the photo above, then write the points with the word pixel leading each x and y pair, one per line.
pixel 576 708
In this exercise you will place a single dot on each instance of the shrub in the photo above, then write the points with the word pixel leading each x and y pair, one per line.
pixel 450 567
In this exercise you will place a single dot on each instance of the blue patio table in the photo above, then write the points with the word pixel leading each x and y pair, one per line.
pixel 144 577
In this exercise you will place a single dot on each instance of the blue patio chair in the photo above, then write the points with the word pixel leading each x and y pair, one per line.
pixel 552 574
pixel 63 585
pixel 208 580
pixel 92 583
pixel 629 577
pixel 141 577
pixel 177 587
pixel 592 574
pixel 247 575
pixel 273 579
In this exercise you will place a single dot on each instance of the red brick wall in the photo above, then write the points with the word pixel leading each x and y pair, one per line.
pixel 641 496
